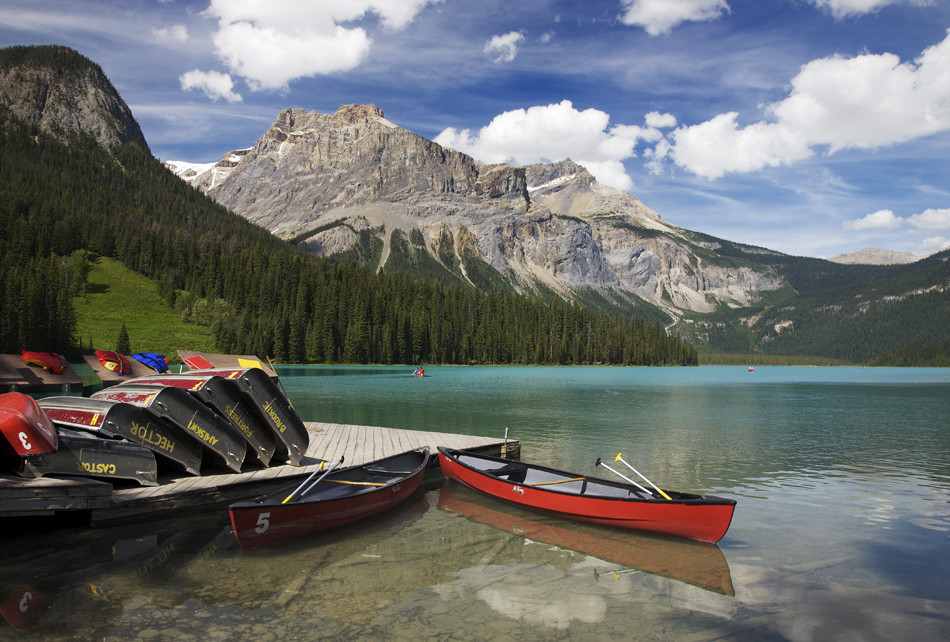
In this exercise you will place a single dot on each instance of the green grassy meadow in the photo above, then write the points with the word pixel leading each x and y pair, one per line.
pixel 115 295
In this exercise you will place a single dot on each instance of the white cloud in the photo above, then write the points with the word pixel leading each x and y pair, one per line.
pixel 864 102
pixel 660 121
pixel 173 34
pixel 846 8
pixel 718 146
pixel 932 220
pixel 658 17
pixel 504 48
pixel 215 84
pixel 272 42
pixel 933 244
pixel 552 133
pixel 879 220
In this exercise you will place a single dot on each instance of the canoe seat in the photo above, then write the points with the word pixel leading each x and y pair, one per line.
pixel 515 472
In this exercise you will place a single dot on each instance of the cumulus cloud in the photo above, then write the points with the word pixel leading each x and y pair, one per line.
pixel 215 84
pixel 554 132
pixel 173 34
pixel 864 102
pixel 272 42
pixel 504 48
pixel 658 17
pixel 928 221
pixel 879 220
pixel 932 220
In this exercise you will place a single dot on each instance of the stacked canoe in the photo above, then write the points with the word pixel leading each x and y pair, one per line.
pixel 192 423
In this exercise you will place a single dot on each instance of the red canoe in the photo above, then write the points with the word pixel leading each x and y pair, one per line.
pixel 25 430
pixel 332 499
pixel 601 501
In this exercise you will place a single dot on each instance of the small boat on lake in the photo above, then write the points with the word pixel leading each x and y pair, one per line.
pixel 216 435
pixel 109 419
pixel 25 430
pixel 329 499
pixel 590 499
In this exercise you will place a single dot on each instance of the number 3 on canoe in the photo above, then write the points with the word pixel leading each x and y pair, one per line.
pixel 262 522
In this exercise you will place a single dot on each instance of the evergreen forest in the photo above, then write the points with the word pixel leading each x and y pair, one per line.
pixel 62 204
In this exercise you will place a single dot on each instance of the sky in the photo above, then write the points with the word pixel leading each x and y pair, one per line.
pixel 811 127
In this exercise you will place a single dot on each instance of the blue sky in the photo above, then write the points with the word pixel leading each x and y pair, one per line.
pixel 812 127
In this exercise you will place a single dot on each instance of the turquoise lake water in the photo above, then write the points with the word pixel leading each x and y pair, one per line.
pixel 842 529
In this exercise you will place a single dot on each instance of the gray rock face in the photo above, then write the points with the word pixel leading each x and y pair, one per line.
pixel 61 91
pixel 322 178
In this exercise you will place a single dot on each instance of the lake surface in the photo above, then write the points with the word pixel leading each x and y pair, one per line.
pixel 842 529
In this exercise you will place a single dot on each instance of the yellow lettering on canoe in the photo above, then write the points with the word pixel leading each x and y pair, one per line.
pixel 274 417
pixel 236 419
pixel 96 468
pixel 147 435
pixel 202 434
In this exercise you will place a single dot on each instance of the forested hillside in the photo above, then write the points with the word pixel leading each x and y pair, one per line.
pixel 854 313
pixel 61 204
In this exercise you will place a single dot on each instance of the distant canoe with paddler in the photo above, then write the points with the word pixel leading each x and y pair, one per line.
pixel 217 436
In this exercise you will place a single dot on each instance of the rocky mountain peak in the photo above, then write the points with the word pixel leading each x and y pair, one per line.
pixel 62 91
pixel 351 114
pixel 328 180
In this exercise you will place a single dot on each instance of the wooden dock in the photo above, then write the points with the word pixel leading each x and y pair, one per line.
pixel 328 442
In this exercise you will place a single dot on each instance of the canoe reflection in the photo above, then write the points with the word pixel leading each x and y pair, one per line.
pixel 695 563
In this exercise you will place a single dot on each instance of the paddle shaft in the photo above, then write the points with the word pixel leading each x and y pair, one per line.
pixel 624 477
pixel 665 496
pixel 294 494
pixel 557 481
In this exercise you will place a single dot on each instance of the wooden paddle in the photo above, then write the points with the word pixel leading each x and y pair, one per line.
pixel 557 481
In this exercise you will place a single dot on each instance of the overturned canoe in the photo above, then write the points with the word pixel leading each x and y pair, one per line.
pixel 223 396
pixel 107 418
pixel 601 501
pixel 25 430
pixel 272 406
pixel 217 436
pixel 88 456
pixel 335 498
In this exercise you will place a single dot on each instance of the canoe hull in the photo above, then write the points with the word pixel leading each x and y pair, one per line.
pixel 25 430
pixel 115 418
pixel 216 436
pixel 701 518
pixel 89 456
pixel 337 503
pixel 223 396
pixel 272 406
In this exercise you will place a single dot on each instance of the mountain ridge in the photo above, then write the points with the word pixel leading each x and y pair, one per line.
pixel 541 228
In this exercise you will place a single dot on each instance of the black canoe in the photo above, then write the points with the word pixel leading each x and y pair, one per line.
pixel 217 436
pixel 105 418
